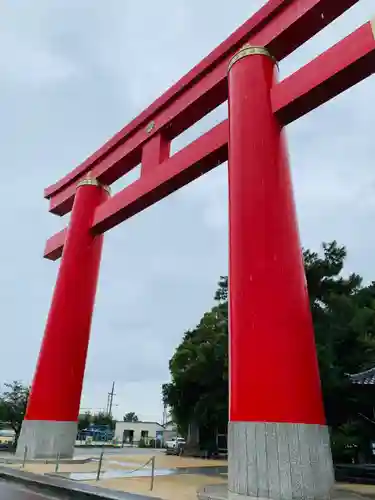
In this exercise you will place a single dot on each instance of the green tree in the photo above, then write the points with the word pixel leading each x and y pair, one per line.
pixel 102 418
pixel 13 402
pixel 199 368
pixel 84 421
pixel 343 312
pixel 130 417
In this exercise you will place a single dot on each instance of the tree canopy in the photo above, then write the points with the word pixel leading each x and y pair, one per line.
pixel 130 417
pixel 343 312
pixel 100 418
pixel 13 402
pixel 84 420
pixel 103 418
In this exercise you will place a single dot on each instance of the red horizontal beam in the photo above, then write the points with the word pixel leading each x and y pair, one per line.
pixel 345 64
pixel 205 153
pixel 195 102
pixel 54 246
pixel 257 21
pixel 340 67
pixel 299 22
pixel 202 155
pixel 280 25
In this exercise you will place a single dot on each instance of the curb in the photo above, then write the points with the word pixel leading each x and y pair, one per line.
pixel 220 492
pixel 77 461
pixel 38 482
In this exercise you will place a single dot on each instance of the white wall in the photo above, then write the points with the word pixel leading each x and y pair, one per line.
pixel 137 427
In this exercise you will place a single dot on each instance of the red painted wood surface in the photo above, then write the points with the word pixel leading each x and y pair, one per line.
pixel 274 374
pixel 340 67
pixel 154 152
pixel 205 66
pixel 281 25
pixel 57 385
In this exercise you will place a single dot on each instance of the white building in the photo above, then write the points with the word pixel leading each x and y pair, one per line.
pixel 133 432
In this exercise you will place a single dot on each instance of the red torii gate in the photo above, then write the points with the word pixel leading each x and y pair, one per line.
pixel 278 440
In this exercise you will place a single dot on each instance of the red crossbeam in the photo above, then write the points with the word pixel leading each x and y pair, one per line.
pixel 207 152
pixel 345 64
pixel 281 25
pixel 234 40
pixel 196 159
pixel 55 245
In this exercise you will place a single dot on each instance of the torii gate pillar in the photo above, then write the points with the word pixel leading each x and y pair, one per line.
pixel 50 425
pixel 278 440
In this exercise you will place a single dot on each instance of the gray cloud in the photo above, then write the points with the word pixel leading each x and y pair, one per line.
pixel 72 75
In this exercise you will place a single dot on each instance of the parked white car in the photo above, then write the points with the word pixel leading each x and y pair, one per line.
pixel 175 443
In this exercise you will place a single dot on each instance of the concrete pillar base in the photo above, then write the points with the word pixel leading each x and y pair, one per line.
pixel 279 461
pixel 45 439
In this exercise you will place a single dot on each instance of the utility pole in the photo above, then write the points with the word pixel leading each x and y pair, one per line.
pixel 107 408
pixel 110 400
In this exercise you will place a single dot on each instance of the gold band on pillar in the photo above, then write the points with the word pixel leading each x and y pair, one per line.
pixel 93 182
pixel 250 50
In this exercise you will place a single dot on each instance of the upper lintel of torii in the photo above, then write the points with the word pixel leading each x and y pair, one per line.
pixel 280 27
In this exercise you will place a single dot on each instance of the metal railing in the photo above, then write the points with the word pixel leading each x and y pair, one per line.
pixel 100 464
pixel 24 457
pixel 149 461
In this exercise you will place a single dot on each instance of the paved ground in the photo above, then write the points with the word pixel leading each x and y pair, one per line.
pixel 117 473
pixel 10 491
pixel 183 486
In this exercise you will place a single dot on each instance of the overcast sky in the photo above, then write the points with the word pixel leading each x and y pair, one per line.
pixel 72 74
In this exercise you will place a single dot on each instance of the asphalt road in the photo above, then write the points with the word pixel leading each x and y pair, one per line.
pixel 11 491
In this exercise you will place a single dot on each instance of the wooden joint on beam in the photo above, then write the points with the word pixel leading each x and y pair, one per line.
pixel 155 151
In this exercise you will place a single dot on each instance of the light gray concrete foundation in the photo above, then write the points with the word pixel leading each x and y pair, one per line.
pixel 279 461
pixel 45 439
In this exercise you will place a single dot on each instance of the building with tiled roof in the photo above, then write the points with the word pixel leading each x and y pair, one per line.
pixel 364 378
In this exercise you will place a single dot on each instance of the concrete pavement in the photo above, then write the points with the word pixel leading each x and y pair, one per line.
pixel 11 491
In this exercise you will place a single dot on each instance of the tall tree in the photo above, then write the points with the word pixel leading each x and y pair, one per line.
pixel 343 312
pixel 13 402
pixel 199 368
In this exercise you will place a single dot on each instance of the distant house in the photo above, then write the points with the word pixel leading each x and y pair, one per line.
pixel 133 432
pixel 170 426
pixel 364 378
pixel 170 431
